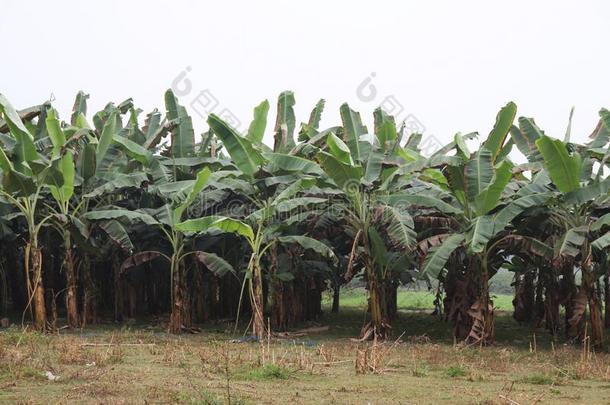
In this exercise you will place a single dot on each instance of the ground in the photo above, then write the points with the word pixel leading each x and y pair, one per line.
pixel 142 364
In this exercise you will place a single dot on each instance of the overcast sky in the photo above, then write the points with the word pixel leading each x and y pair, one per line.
pixel 449 64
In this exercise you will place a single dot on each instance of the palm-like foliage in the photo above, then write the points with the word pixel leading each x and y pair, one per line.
pixel 228 212
pixel 261 228
pixel 581 193
pixel 374 224
pixel 25 177
pixel 476 187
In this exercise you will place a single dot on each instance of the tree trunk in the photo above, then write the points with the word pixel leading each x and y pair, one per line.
pixel 539 302
pixel 71 292
pixel 607 297
pixel 453 285
pixel 40 311
pixel 551 305
pixel 391 299
pixel 486 305
pixel 597 323
pixel 89 299
pixel 198 305
pixel 179 317
pixel 119 287
pixel 474 317
pixel 376 305
pixel 336 296
pixel 280 309
pixel 256 298
pixel 567 296
pixel 595 308
pixel 4 290
pixel 465 292
pixel 379 326
pixel 34 262
pixel 525 297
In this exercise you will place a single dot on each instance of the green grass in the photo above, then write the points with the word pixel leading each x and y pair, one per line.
pixel 538 379
pixel 266 372
pixel 456 371
pixel 407 299
pixel 200 397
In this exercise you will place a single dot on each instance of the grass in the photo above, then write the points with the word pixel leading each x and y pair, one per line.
pixel 408 299
pixel 265 372
pixel 538 379
pixel 142 364
pixel 109 365
pixel 456 371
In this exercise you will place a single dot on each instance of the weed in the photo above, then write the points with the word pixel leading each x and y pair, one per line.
pixel 455 371
pixel 135 366
pixel 199 398
pixel 28 373
pixel 420 372
pixel 265 372
pixel 538 379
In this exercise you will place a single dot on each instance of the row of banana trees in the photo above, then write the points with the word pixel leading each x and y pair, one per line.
pixel 126 215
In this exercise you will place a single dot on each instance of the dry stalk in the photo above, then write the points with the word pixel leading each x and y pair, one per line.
pixel 374 358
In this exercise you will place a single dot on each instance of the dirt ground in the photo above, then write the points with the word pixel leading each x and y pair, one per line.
pixel 140 364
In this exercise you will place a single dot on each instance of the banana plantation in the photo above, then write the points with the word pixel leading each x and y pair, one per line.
pixel 120 215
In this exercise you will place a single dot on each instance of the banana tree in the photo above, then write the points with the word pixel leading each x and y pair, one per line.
pixel 96 165
pixel 358 167
pixel 168 176
pixel 166 219
pixel 260 238
pixel 476 187
pixel 269 172
pixel 574 211
pixel 119 160
pixel 62 196
pixel 25 178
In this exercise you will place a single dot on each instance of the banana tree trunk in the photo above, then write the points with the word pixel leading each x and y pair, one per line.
pixel 595 307
pixel 336 295
pixel 597 323
pixel 89 299
pixel 36 286
pixel 288 304
pixel 391 299
pixel 524 300
pixel 607 297
pixel 568 295
pixel 474 318
pixel 464 297
pixel 551 316
pixel 279 305
pixel 376 306
pixel 4 289
pixel 453 286
pixel 487 306
pixel 71 291
pixel 379 326
pixel 256 298
pixel 539 302
pixel 179 315
pixel 551 302
pixel 200 309
pixel 119 299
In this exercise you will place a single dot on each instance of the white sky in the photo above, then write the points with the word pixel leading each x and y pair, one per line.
pixel 452 64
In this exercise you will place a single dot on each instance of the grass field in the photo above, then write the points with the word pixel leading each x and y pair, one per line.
pixel 142 364
pixel 408 299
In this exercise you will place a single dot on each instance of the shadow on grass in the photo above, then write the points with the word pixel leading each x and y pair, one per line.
pixel 415 325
